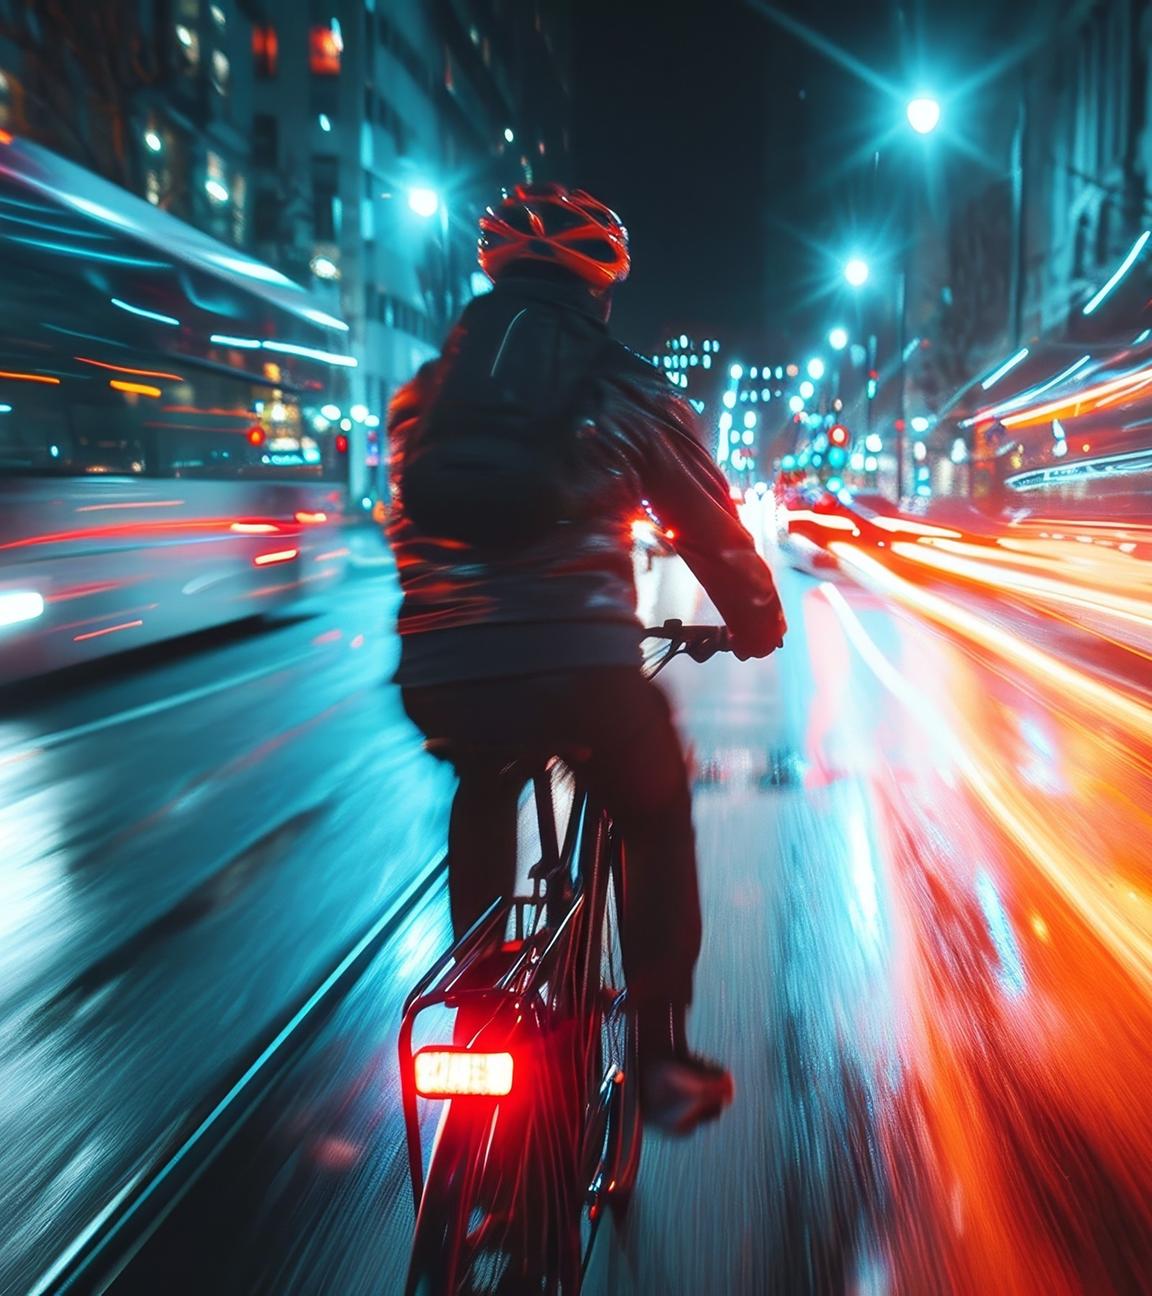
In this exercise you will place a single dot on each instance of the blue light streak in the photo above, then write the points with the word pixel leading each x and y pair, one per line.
pixel 311 353
pixel 225 339
pixel 146 314
pixel 1125 266
pixel 1005 368
pixel 1030 395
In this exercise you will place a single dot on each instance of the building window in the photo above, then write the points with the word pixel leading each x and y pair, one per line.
pixel 266 211
pixel 324 49
pixel 265 139
pixel 265 52
pixel 1080 249
pixel 325 190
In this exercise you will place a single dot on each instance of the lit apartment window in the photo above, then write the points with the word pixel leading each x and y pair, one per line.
pixel 324 49
pixel 265 52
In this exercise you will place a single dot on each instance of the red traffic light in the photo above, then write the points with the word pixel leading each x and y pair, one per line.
pixel 838 435
pixel 341 443
pixel 256 436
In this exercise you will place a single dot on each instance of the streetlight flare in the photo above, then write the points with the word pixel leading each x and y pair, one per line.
pixel 923 114
pixel 856 271
pixel 424 202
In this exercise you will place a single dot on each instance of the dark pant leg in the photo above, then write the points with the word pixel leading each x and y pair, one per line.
pixel 638 769
pixel 482 828
pixel 481 842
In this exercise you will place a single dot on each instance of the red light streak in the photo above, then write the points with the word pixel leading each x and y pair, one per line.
pixel 139 373
pixel 331 555
pixel 30 377
pixel 95 634
pixel 277 556
pixel 311 519
pixel 133 388
pixel 254 528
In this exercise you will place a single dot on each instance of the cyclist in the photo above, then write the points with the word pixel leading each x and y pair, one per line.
pixel 537 647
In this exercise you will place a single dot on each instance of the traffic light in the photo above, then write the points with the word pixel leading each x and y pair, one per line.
pixel 838 436
pixel 256 436
pixel 341 443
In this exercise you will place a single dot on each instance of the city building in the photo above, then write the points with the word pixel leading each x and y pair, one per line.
pixel 1030 247
pixel 351 144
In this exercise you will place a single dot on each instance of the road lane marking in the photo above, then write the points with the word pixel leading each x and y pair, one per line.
pixel 142 712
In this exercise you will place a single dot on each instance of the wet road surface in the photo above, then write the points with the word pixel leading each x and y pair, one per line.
pixel 926 959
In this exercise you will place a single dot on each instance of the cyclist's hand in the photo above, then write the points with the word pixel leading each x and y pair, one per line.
pixel 769 635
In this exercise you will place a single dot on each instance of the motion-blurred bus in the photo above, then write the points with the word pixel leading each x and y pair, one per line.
pixel 171 455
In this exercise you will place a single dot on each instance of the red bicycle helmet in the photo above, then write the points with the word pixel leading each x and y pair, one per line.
pixel 566 227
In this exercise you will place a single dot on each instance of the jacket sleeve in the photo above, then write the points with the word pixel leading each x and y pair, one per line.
pixel 690 495
pixel 404 412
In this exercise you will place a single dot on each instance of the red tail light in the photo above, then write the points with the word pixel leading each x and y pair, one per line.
pixel 444 1072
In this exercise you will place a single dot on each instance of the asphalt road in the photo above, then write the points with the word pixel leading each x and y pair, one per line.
pixel 927 960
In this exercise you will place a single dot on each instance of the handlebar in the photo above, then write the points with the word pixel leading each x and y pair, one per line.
pixel 700 642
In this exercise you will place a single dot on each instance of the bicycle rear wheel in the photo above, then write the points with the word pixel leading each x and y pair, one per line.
pixel 611 1139
pixel 486 1221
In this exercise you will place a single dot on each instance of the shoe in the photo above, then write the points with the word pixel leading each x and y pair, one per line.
pixel 682 1091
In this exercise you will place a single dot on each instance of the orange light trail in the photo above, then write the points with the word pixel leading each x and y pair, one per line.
pixel 139 373
pixel 1125 928
pixel 30 377
pixel 311 519
pixel 1001 577
pixel 1102 394
pixel 133 388
pixel 1103 698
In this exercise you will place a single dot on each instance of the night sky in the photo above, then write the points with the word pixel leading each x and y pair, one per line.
pixel 737 154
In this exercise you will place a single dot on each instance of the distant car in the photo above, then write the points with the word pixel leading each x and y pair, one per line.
pixel 809 519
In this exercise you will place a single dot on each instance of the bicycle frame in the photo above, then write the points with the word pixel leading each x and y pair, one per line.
pixel 562 898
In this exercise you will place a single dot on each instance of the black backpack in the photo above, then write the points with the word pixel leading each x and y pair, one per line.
pixel 492 458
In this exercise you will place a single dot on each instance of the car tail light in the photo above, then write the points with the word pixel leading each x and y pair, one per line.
pixel 306 518
pixel 276 556
pixel 443 1072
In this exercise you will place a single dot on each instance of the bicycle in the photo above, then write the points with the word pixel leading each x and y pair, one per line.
pixel 541 1131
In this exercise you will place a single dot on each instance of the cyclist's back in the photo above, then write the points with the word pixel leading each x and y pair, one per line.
pixel 536 645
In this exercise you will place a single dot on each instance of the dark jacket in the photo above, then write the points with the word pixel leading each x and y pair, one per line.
pixel 569 599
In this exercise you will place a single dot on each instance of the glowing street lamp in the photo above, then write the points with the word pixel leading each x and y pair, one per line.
pixel 856 271
pixel 923 114
pixel 815 368
pixel 423 201
pixel 838 338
